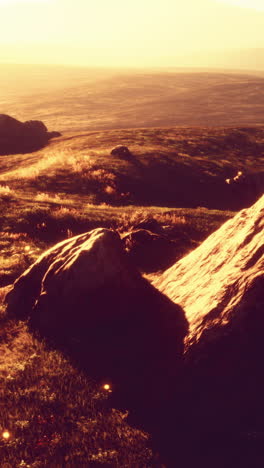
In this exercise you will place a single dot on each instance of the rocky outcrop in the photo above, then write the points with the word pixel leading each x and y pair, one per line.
pixel 212 282
pixel 19 137
pixel 85 296
pixel 220 285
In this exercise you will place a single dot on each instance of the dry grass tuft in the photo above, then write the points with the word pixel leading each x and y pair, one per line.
pixel 49 160
pixel 51 198
pixel 6 193
pixel 18 251
pixel 128 220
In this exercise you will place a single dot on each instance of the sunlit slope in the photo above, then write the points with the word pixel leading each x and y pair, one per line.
pixel 81 99
pixel 177 167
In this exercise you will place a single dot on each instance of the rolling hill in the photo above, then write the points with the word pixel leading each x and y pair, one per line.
pixel 189 178
pixel 176 167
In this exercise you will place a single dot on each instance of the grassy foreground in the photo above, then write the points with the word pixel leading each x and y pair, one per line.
pixel 53 415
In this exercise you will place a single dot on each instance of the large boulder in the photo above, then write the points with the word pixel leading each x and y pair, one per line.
pixel 84 295
pixel 221 287
pixel 213 281
pixel 19 137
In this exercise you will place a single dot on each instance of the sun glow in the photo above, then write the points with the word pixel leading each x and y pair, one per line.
pixel 255 4
pixel 6 435
pixel 9 2
pixel 117 33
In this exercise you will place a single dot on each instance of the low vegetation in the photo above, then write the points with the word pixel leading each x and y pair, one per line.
pixel 29 227
pixel 168 167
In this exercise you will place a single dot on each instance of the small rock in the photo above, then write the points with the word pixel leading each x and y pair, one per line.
pixel 121 151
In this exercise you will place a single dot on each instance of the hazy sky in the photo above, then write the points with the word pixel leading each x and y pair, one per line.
pixel 126 32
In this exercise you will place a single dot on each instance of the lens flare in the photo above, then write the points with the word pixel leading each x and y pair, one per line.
pixel 107 387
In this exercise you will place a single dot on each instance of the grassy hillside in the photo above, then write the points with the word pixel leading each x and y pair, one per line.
pixel 75 99
pixel 53 414
pixel 175 167
pixel 176 175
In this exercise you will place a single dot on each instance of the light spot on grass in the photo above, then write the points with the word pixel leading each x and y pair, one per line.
pixel 107 387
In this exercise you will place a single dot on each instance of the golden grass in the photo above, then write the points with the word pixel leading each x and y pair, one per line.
pixel 163 163
pixel 81 152
pixel 48 159
pixel 6 193
pixel 128 219
pixel 52 198
pixel 17 252
pixel 17 350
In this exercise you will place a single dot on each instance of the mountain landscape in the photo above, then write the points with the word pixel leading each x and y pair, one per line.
pixel 131 267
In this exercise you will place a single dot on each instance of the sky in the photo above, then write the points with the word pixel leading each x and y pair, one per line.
pixel 157 33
